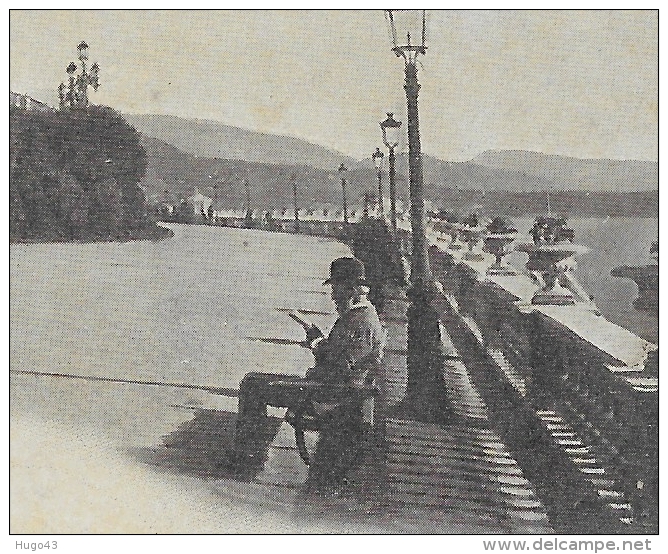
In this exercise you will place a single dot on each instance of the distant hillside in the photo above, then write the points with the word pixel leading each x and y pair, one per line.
pixel 460 186
pixel 509 170
pixel 520 171
pixel 178 172
pixel 568 203
pixel 439 175
pixel 216 140
pixel 566 173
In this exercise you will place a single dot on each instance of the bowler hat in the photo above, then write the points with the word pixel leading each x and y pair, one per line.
pixel 346 270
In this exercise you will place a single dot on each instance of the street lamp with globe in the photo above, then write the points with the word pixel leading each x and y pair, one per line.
pixel 377 158
pixel 342 173
pixel 390 128
pixel 426 355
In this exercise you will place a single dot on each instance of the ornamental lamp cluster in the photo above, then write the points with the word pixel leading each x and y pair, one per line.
pixel 74 94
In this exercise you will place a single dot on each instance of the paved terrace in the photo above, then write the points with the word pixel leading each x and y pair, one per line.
pixel 464 476
pixel 413 477
pixel 474 474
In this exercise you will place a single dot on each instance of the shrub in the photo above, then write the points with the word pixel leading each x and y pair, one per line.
pixel 373 243
pixel 74 174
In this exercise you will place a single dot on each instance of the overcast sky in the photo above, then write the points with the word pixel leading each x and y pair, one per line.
pixel 577 83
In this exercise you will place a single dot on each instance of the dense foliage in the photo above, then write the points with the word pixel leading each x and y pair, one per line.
pixel 373 243
pixel 74 175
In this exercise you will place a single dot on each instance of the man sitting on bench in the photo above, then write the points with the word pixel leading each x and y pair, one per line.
pixel 344 362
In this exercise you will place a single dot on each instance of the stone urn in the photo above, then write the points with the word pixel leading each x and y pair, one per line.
pixel 549 263
pixel 455 242
pixel 647 279
pixel 551 258
pixel 470 233
pixel 451 227
pixel 471 237
pixel 498 239
pixel 442 229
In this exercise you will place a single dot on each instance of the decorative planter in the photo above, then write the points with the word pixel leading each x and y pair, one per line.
pixel 549 263
pixel 442 228
pixel 647 279
pixel 498 244
pixel 471 236
pixel 455 242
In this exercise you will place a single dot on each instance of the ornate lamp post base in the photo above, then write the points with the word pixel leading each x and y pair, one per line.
pixel 425 394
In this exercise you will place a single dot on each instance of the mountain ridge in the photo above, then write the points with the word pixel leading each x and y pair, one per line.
pixel 492 170
pixel 572 173
pixel 179 174
pixel 214 139
pixel 505 151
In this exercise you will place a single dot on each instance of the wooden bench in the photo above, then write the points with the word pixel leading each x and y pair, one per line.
pixel 303 417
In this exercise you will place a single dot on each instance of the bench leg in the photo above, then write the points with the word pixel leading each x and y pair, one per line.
pixel 336 453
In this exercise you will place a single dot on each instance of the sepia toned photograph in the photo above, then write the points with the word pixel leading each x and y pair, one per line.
pixel 372 272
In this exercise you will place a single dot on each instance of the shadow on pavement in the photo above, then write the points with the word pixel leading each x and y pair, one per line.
pixel 203 447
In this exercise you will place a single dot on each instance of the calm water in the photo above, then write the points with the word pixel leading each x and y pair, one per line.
pixel 613 242
pixel 185 309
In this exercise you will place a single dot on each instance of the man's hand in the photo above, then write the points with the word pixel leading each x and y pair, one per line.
pixel 313 332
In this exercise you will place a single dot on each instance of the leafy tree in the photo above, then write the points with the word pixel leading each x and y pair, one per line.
pixel 74 174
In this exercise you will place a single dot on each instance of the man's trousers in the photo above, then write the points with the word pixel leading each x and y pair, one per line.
pixel 340 428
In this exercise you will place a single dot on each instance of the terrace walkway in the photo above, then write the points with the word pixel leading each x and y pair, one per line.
pixel 419 477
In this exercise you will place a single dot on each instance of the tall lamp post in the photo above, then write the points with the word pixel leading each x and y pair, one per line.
pixel 377 157
pixel 426 356
pixel 342 172
pixel 390 128
pixel 75 94
pixel 294 196
pixel 248 195
pixel 214 205
pixel 248 216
